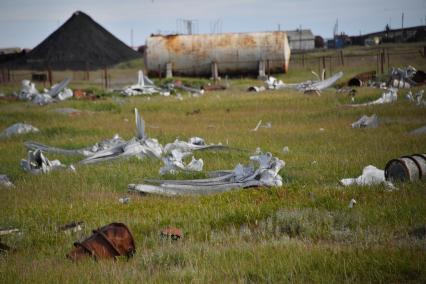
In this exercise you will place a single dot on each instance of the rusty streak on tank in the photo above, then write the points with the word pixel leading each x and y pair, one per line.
pixel 234 53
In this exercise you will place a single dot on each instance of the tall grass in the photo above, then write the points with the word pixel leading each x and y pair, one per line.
pixel 301 232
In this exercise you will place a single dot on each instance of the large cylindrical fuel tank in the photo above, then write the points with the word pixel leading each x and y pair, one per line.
pixel 233 53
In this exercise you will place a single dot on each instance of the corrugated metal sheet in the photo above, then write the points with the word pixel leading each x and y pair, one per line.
pixel 234 53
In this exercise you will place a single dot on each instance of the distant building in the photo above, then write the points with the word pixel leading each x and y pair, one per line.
pixel 301 39
pixel 410 34
pixel 11 53
pixel 10 50
pixel 339 41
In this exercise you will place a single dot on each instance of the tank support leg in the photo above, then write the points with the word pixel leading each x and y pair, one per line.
pixel 169 71
pixel 215 73
pixel 262 70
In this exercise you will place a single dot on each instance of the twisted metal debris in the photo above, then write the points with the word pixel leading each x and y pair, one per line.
pixel 18 128
pixel 265 175
pixel 58 92
pixel 36 163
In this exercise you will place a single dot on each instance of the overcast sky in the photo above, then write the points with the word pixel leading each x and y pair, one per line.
pixel 25 23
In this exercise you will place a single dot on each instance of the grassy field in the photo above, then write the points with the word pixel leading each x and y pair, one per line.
pixel 301 232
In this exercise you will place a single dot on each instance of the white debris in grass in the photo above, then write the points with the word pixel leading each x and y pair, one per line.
pixel 370 176
pixel 18 128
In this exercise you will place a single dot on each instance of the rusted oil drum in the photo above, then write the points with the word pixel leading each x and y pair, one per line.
pixel 406 168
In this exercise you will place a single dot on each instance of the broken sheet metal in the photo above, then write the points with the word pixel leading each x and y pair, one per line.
pixel 144 86
pixel 260 125
pixel 139 146
pixel 390 95
pixel 173 163
pixel 306 87
pixel 193 91
pixel 5 181
pixel 370 176
pixel 417 98
pixel 418 131
pixel 36 163
pixel 403 77
pixel 367 122
pixel 256 89
pixel 18 128
pixel 87 152
pixel 265 175
pixel 193 144
pixel 58 92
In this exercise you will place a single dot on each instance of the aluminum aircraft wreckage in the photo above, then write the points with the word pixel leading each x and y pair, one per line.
pixel 263 169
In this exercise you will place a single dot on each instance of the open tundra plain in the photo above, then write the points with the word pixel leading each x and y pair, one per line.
pixel 303 231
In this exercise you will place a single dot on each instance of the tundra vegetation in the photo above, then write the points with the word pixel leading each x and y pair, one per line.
pixel 303 231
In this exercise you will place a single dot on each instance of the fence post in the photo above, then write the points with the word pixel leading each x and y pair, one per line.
pixel 342 58
pixel 268 66
pixel 87 72
pixel 319 66
pixel 214 71
pixel 382 61
pixel 49 75
pixel 323 66
pixel 303 59
pixel 387 53
pixel 377 61
pixel 106 77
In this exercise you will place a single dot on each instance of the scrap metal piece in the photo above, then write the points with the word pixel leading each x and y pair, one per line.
pixel 56 89
pixel 366 122
pixel 173 163
pixel 8 231
pixel 139 146
pixel 307 86
pixel 390 95
pixel 256 89
pixel 124 200
pixel 266 175
pixel 58 92
pixel 194 91
pixel 370 176
pixel 108 242
pixel 72 227
pixel 352 203
pixel 144 86
pixel 417 98
pixel 18 128
pixel 5 181
pixel 418 131
pixel 193 144
pixel 36 163
pixel 361 79
pixel 87 151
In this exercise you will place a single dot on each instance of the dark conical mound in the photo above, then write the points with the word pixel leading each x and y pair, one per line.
pixel 79 44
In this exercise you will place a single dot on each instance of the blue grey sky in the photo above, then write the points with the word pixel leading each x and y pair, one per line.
pixel 25 23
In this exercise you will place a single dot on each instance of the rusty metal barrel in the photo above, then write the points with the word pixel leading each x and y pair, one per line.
pixel 233 53
pixel 406 168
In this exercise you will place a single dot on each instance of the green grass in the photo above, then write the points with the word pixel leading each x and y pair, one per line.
pixel 301 232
